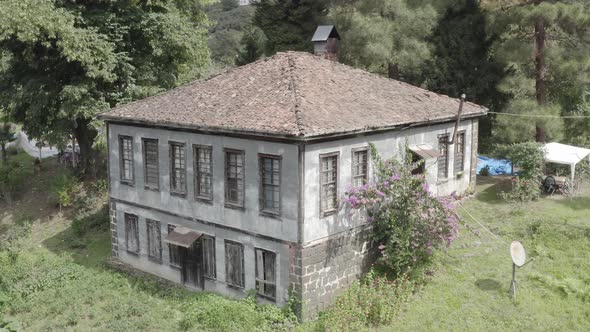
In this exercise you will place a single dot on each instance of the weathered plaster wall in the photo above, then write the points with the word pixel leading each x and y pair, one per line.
pixel 248 219
pixel 389 144
pixel 164 270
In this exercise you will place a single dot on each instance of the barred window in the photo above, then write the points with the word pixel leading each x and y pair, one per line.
pixel 442 161
pixel 126 156
pixel 177 168
pixel 328 183
pixel 459 163
pixel 151 163
pixel 203 170
pixel 234 177
pixel 360 173
pixel 131 233
pixel 208 244
pixel 154 238
pixel 173 251
pixel 265 274
pixel 270 184
pixel 234 264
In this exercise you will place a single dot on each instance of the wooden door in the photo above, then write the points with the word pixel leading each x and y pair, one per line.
pixel 191 260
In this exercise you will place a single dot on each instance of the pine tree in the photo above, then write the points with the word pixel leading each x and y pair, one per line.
pixel 289 24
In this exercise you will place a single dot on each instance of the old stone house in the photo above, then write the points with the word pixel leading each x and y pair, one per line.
pixel 233 183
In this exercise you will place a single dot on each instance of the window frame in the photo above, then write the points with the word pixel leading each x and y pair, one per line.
pixel 122 178
pixel 443 139
pixel 227 274
pixel 197 172
pixel 149 223
pixel 144 142
pixel 213 264
pixel 262 185
pixel 174 191
pixel 227 202
pixel 262 280
pixel 136 233
pixel 463 134
pixel 173 251
pixel 352 164
pixel 325 213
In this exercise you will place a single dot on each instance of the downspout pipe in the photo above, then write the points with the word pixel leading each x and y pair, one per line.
pixel 452 141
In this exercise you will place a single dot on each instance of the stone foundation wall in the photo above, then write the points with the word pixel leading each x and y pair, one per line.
pixel 331 266
pixel 114 237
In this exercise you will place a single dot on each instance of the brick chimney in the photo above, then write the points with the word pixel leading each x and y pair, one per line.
pixel 326 42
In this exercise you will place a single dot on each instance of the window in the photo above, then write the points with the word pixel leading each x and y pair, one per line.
pixel 154 238
pixel 270 183
pixel 443 148
pixel 173 251
pixel 328 183
pixel 177 168
pixel 131 233
pixel 126 154
pixel 151 167
pixel 203 183
pixel 265 273
pixel 459 163
pixel 360 174
pixel 234 264
pixel 234 177
pixel 208 243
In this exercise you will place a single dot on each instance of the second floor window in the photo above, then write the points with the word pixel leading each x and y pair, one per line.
pixel 203 170
pixel 177 168
pixel 270 184
pixel 328 183
pixel 151 163
pixel 126 158
pixel 360 173
pixel 459 163
pixel 442 161
pixel 234 177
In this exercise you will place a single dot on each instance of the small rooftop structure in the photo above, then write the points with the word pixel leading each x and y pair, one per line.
pixel 326 42
pixel 324 32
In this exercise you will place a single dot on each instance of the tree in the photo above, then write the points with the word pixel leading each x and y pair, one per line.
pixel 68 61
pixel 226 31
pixel 388 36
pixel 252 46
pixel 289 24
pixel 229 4
pixel 7 135
pixel 556 34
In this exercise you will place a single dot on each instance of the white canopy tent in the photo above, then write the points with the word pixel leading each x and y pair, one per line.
pixel 566 155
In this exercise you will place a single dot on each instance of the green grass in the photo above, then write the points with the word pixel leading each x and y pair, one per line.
pixel 469 291
pixel 58 281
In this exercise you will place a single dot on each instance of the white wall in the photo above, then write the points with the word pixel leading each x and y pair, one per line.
pixel 249 219
pixel 389 144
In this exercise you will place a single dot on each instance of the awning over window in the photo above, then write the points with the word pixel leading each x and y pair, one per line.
pixel 183 237
pixel 425 151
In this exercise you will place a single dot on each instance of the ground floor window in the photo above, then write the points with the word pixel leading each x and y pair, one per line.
pixel 131 233
pixel 265 273
pixel 173 251
pixel 208 256
pixel 234 264
pixel 154 237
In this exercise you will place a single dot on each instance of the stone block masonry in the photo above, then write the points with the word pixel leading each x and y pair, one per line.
pixel 113 223
pixel 329 267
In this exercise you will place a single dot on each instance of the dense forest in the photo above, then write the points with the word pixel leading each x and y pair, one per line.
pixel 64 61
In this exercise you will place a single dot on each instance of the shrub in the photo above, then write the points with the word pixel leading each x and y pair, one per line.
pixel 12 150
pixel 529 157
pixel 89 219
pixel 12 178
pixel 409 223
pixel 523 190
pixel 63 189
pixel 485 171
pixel 374 301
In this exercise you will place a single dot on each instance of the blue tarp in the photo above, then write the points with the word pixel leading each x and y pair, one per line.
pixel 496 166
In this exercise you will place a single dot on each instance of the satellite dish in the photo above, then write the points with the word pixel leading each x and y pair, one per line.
pixel 518 254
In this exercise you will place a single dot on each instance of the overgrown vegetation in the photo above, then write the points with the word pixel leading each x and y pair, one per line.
pixel 13 174
pixel 529 158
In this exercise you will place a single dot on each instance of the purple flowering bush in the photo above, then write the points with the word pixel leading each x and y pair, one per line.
pixel 409 222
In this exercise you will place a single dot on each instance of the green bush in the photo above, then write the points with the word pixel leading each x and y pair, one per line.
pixel 523 190
pixel 63 189
pixel 374 301
pixel 485 171
pixel 92 219
pixel 12 150
pixel 12 178
pixel 529 157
